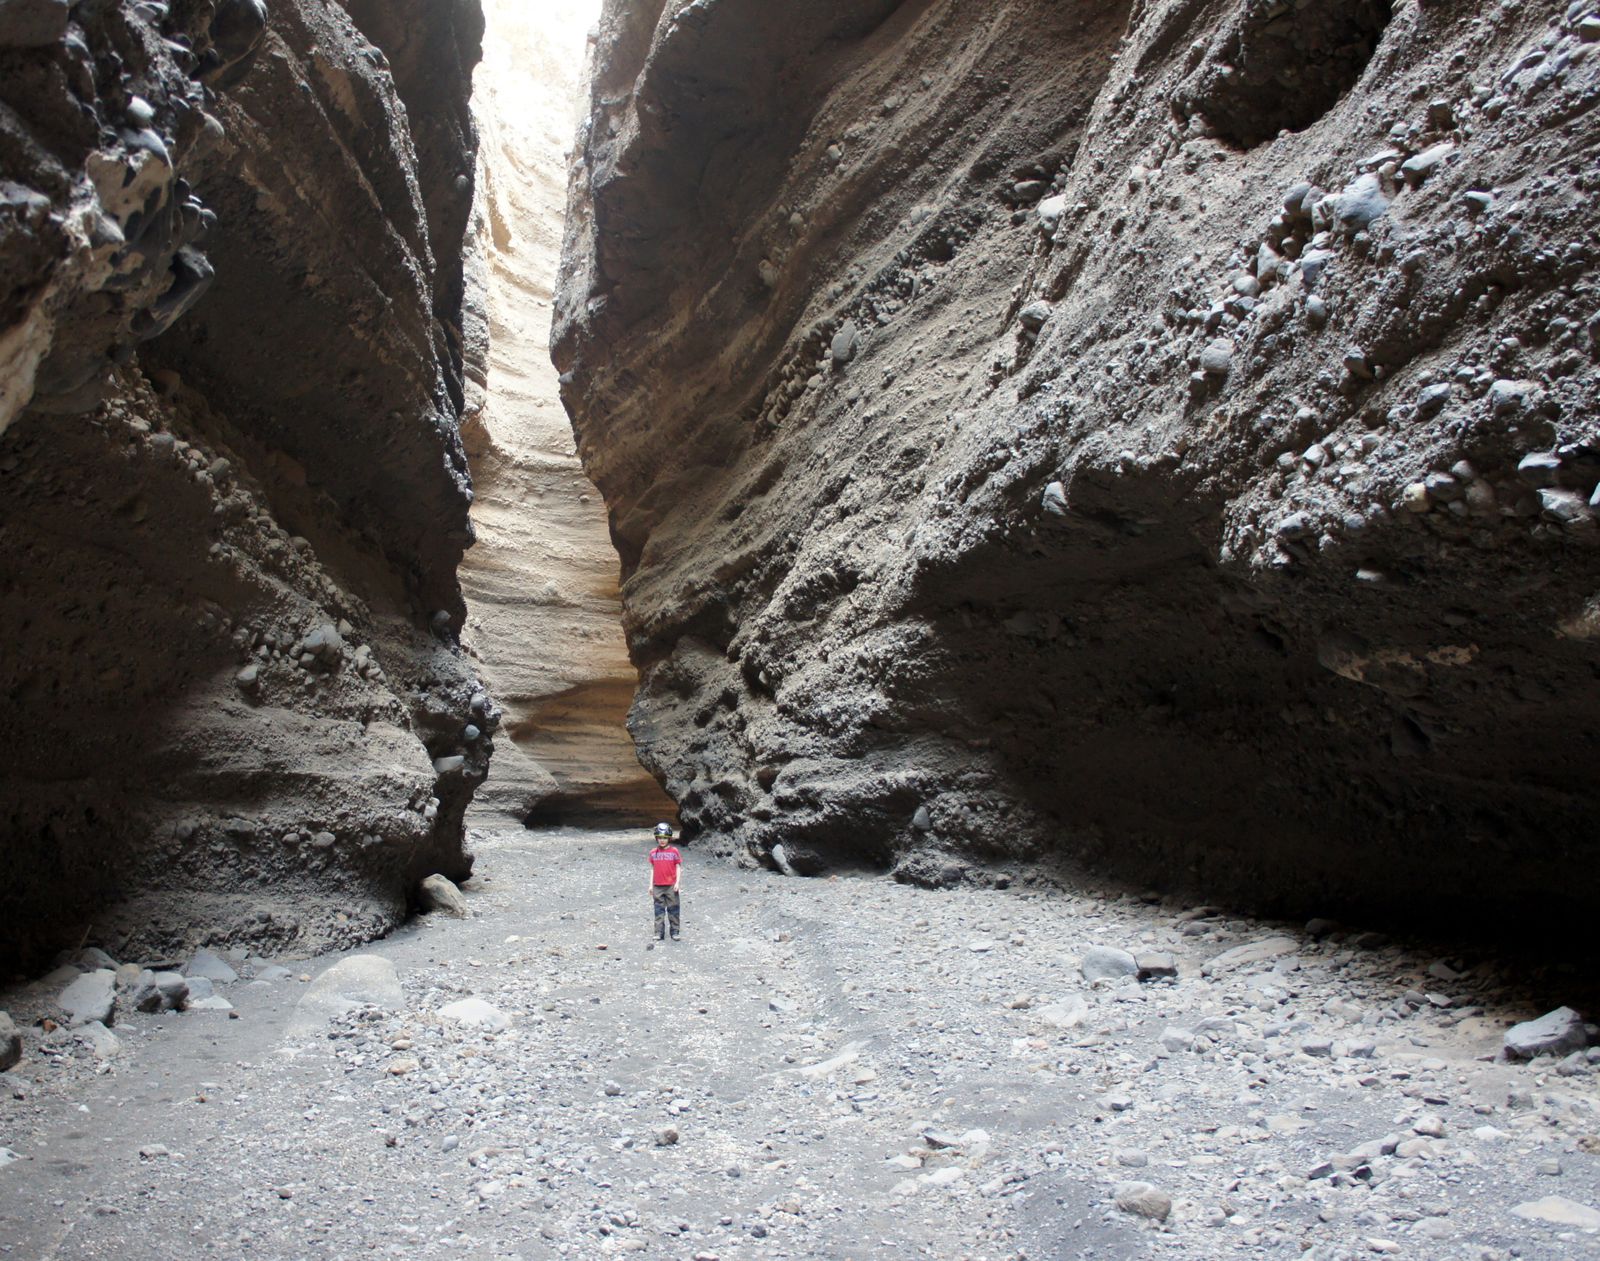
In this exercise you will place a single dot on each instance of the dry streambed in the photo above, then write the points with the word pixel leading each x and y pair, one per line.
pixel 822 1068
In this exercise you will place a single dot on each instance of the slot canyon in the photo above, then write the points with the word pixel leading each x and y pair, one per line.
pixel 1081 517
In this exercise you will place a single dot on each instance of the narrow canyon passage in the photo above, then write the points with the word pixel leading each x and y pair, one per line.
pixel 820 1069
pixel 1086 517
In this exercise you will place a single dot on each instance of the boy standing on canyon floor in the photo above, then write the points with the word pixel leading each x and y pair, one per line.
pixel 666 866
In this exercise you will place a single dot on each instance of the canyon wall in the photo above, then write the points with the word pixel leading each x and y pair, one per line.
pixel 1156 435
pixel 235 496
pixel 544 614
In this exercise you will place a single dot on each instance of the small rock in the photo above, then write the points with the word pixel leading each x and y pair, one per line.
pixel 1360 203
pixel 1069 1013
pixel 475 1013
pixel 1217 358
pixel 1559 1211
pixel 1033 316
pixel 1143 1200
pixel 1155 965
pixel 1107 963
pixel 101 1041
pixel 667 1137
pixel 846 344
pixel 1250 952
pixel 210 966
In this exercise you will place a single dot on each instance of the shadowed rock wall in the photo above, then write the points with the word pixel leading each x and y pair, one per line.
pixel 1158 434
pixel 235 495
pixel 541 584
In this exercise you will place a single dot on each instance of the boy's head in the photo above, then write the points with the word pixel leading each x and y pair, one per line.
pixel 663 833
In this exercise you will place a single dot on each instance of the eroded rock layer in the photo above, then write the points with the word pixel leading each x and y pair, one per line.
pixel 234 492
pixel 541 584
pixel 1161 434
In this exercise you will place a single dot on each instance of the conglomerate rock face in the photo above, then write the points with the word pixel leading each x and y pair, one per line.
pixel 234 492
pixel 1159 434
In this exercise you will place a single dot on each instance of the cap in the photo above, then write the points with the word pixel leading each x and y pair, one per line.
pixel 663 829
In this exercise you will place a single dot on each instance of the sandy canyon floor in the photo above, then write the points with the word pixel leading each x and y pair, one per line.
pixel 844 1068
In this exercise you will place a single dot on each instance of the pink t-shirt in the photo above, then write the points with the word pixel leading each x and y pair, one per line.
pixel 664 864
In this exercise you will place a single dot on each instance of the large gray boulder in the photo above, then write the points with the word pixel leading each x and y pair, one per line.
pixel 1554 1033
pixel 359 981
pixel 93 996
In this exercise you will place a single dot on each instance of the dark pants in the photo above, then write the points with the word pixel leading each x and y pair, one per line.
pixel 666 899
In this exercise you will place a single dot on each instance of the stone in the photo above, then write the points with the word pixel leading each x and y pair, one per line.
pixel 1554 1033
pixel 1559 1211
pixel 357 981
pixel 1054 500
pixel 1175 1039
pixel 173 988
pixel 1564 507
pixel 1033 316
pixel 93 996
pixel 1539 469
pixel 210 966
pixel 1217 358
pixel 210 1002
pixel 1360 204
pixel 1050 212
pixel 438 893
pixel 1432 399
pixel 1155 965
pixel 783 1006
pixel 1250 953
pixel 1417 169
pixel 10 1043
pixel 667 1137
pixel 1511 398
pixel 476 1013
pixel 101 1041
pixel 1143 1199
pixel 1107 963
pixel 1068 1013
pixel 846 344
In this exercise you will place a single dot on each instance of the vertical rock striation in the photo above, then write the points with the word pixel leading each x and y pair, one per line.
pixel 235 493
pixel 1158 434
pixel 541 583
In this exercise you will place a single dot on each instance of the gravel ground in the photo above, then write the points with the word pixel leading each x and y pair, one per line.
pixel 842 1068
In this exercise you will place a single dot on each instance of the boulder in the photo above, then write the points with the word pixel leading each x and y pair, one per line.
pixel 1554 1033
pixel 93 996
pixel 358 981
pixel 437 893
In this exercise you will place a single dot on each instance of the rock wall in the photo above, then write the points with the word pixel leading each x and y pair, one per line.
pixel 1156 434
pixel 544 614
pixel 235 494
